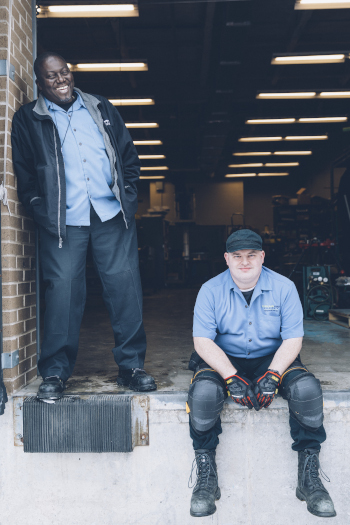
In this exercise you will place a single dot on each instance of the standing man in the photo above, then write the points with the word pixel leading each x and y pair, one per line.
pixel 77 170
pixel 247 332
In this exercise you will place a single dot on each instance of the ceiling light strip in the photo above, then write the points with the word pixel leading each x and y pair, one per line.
pixel 301 120
pixel 132 101
pixel 140 125
pixel 309 59
pixel 146 157
pixel 322 4
pixel 303 94
pixel 148 142
pixel 85 11
pixel 236 175
pixel 289 137
pixel 109 66
pixel 265 153
pixel 282 174
pixel 154 168
pixel 150 177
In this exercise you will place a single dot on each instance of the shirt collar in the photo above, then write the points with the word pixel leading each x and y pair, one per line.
pixel 263 284
pixel 77 103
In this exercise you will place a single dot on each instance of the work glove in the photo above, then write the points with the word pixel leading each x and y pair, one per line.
pixel 266 387
pixel 241 391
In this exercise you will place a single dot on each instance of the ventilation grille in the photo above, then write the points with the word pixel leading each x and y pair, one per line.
pixel 74 424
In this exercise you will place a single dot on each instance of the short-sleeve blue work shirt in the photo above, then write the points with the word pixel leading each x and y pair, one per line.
pixel 222 314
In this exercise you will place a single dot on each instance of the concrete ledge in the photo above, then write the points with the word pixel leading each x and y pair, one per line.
pixel 257 472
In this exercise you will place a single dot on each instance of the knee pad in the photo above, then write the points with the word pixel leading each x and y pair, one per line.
pixel 305 399
pixel 206 397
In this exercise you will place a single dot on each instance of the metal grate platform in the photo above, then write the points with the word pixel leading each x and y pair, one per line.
pixel 100 423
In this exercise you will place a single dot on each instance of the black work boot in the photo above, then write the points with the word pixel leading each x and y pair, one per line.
pixel 136 379
pixel 206 489
pixel 50 389
pixel 310 488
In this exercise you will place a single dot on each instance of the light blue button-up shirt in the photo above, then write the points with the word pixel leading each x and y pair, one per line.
pixel 222 314
pixel 87 167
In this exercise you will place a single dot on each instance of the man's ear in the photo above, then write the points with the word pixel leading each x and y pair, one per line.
pixel 38 84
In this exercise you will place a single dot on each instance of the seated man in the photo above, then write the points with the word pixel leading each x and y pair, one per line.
pixel 247 332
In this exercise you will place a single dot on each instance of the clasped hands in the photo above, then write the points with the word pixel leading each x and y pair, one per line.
pixel 258 394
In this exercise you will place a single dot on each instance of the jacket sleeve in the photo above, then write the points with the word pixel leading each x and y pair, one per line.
pixel 22 158
pixel 128 154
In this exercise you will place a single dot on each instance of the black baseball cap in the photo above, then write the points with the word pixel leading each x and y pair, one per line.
pixel 243 240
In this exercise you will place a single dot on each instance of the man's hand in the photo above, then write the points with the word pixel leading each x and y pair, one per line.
pixel 241 391
pixel 266 387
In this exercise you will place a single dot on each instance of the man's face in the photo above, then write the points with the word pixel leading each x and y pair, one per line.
pixel 56 82
pixel 245 267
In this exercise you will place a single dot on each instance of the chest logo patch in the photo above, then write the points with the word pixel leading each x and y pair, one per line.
pixel 270 308
pixel 107 123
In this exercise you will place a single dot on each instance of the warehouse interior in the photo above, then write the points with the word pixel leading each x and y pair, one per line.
pixel 239 111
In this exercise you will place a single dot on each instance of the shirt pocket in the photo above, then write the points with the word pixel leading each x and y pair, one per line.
pixel 270 327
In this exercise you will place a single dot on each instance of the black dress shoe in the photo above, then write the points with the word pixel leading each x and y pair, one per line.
pixel 50 389
pixel 136 379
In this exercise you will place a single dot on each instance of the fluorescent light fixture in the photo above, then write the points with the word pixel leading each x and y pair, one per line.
pixel 295 120
pixel 76 11
pixel 266 165
pixel 315 120
pixel 154 168
pixel 148 142
pixel 271 121
pixel 292 153
pixel 109 66
pixel 303 94
pixel 264 153
pixel 251 153
pixel 289 137
pixel 322 4
pixel 249 165
pixel 287 94
pixel 309 59
pixel 142 125
pixel 235 175
pixel 306 137
pixel 150 177
pixel 144 157
pixel 282 174
pixel 259 139
pixel 335 94
pixel 132 101
pixel 280 164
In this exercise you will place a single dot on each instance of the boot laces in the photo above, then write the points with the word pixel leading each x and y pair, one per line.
pixel 201 464
pixel 312 466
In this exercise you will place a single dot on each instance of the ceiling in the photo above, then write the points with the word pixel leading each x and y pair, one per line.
pixel 206 62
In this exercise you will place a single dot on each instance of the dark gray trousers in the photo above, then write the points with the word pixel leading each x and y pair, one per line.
pixel 115 255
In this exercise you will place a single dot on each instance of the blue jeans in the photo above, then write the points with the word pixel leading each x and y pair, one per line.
pixel 115 255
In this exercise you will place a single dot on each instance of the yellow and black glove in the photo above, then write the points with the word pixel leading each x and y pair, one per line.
pixel 266 387
pixel 241 391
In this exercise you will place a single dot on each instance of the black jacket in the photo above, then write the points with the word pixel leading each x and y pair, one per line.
pixel 39 166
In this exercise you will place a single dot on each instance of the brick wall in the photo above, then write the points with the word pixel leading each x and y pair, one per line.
pixel 17 230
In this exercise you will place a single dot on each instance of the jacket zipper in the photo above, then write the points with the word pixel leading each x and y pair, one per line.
pixel 59 190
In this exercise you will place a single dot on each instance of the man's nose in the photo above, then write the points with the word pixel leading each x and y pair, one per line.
pixel 60 78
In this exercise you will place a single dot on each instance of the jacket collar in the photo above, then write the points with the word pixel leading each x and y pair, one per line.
pixel 41 110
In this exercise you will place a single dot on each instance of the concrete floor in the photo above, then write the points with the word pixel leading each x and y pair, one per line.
pixel 168 323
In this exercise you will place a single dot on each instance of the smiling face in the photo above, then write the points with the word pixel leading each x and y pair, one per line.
pixel 56 82
pixel 245 267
